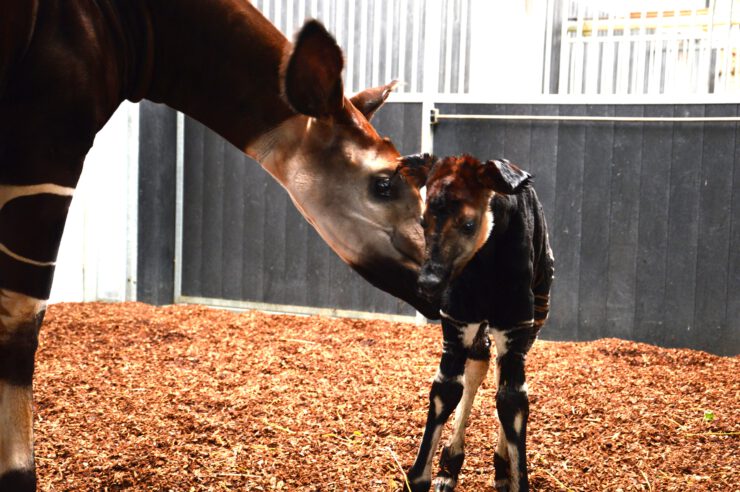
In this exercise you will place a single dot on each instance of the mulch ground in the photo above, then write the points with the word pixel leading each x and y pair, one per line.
pixel 186 398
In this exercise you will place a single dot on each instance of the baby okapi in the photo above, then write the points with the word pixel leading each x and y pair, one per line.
pixel 489 261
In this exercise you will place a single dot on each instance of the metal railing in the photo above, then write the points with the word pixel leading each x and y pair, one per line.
pixel 629 47
pixel 388 39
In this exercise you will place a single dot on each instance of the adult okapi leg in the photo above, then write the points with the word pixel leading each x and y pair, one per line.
pixel 447 389
pixel 512 406
pixel 31 223
pixel 453 454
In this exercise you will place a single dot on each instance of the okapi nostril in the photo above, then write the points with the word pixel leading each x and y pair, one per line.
pixel 429 282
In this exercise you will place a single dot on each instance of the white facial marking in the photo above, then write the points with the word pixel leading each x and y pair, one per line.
pixel 16 309
pixel 11 192
pixel 16 428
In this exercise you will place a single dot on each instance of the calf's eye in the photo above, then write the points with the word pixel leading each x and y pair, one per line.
pixel 468 227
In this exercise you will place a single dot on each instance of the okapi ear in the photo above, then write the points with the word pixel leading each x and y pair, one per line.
pixel 370 100
pixel 312 74
pixel 503 177
pixel 415 168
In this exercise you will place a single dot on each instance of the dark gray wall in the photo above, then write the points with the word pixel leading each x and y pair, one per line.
pixel 644 217
pixel 244 240
pixel 156 234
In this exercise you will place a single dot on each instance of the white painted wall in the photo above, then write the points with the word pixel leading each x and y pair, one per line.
pixel 97 257
pixel 507 47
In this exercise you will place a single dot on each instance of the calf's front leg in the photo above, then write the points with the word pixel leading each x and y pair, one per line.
pixel 447 389
pixel 453 454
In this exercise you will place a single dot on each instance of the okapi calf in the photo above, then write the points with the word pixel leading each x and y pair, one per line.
pixel 489 261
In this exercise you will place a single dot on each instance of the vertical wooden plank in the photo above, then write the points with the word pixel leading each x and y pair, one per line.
pixel 296 261
pixel 212 239
pixel 233 222
pixel 254 188
pixel 517 136
pixel 274 246
pixel 682 229
pixel 318 273
pixel 652 231
pixel 625 193
pixel 192 232
pixel 594 253
pixel 566 228
pixel 714 223
pixel 156 226
pixel 731 345
pixel 543 158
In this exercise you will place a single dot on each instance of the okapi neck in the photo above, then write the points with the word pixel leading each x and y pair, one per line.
pixel 219 65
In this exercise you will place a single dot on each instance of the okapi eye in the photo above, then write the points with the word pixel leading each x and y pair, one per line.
pixel 469 227
pixel 422 222
pixel 383 187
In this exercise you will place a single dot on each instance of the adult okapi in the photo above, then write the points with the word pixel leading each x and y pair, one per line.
pixel 65 67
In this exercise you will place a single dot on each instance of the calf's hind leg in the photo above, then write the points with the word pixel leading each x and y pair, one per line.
pixel 512 406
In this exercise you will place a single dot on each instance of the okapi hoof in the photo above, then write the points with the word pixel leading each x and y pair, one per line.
pixel 420 486
pixel 18 481
pixel 444 484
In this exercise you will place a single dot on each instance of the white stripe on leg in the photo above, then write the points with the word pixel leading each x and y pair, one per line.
pixel 475 373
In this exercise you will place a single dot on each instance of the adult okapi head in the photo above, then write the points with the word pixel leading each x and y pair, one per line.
pixel 340 173
pixel 457 218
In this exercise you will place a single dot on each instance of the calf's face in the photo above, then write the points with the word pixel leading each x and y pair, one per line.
pixel 457 217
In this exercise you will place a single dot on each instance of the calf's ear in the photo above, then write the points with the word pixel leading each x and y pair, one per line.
pixel 312 74
pixel 415 168
pixel 370 100
pixel 503 177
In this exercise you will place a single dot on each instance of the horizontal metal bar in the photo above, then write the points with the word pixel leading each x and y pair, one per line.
pixel 625 119
pixel 565 99
pixel 235 305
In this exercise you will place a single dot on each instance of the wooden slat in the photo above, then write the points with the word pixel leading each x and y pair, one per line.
pixel 213 227
pixel 682 229
pixel 714 221
pixel 652 241
pixel 565 229
pixel 731 344
pixel 156 222
pixel 253 256
pixel 193 181
pixel 594 252
pixel 623 217
pixel 233 199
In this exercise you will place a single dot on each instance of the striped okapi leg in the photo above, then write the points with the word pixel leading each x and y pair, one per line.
pixel 447 389
pixel 31 222
pixel 512 406
pixel 453 454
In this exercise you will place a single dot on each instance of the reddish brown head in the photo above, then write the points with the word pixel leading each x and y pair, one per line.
pixel 340 173
pixel 457 218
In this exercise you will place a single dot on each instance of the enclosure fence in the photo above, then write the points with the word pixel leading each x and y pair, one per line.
pixel 632 47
